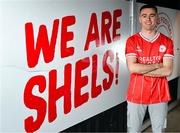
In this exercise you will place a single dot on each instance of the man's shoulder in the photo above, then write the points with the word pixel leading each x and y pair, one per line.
pixel 165 37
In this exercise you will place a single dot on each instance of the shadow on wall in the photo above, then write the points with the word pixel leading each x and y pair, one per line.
pixel 177 38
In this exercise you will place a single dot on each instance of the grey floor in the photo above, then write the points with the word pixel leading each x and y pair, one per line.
pixel 173 121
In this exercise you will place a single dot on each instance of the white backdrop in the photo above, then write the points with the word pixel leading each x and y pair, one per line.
pixel 15 72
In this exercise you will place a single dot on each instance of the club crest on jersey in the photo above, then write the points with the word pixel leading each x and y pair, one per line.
pixel 162 48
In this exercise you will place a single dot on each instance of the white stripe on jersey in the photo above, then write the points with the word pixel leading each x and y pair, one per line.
pixel 159 92
pixel 150 40
pixel 168 55
pixel 134 88
pixel 166 87
pixel 142 88
pixel 156 37
pixel 151 89
pixel 131 54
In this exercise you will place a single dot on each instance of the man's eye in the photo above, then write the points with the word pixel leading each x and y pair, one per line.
pixel 152 15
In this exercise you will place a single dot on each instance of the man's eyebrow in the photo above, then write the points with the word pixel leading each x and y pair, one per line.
pixel 147 14
pixel 153 14
pixel 144 14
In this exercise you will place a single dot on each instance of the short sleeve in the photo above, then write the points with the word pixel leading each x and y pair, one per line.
pixel 130 48
pixel 170 49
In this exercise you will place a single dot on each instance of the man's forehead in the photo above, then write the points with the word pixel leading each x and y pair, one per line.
pixel 146 13
pixel 148 10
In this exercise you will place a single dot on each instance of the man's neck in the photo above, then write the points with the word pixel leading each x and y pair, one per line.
pixel 149 34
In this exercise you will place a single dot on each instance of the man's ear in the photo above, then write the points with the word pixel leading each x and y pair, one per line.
pixel 158 19
pixel 139 19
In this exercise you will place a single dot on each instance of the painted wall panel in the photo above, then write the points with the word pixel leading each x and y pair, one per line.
pixel 86 57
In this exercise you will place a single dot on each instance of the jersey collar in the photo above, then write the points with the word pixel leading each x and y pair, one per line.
pixel 150 40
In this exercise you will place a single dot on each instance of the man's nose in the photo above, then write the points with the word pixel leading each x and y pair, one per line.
pixel 148 18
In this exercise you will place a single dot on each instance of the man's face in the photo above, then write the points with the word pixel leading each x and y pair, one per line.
pixel 148 19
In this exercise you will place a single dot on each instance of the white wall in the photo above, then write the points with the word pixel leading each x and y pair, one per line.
pixel 15 72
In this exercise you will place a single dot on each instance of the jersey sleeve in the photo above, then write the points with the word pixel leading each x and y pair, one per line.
pixel 170 49
pixel 130 48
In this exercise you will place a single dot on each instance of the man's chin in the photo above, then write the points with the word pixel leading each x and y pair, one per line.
pixel 149 28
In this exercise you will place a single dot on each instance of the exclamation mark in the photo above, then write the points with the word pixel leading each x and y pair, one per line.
pixel 117 68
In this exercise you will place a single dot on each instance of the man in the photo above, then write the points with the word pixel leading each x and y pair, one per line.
pixel 149 56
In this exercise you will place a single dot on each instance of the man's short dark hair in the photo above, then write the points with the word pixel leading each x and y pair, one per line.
pixel 149 6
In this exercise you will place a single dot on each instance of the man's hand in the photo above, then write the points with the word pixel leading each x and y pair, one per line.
pixel 162 70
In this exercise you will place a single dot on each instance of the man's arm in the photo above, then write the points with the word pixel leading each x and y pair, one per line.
pixel 138 68
pixel 165 70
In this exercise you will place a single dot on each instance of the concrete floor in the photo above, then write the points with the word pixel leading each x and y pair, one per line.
pixel 173 121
